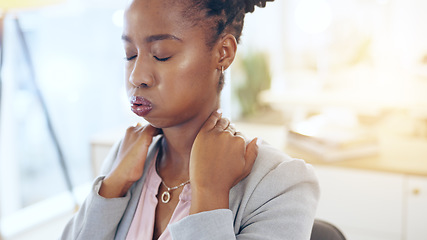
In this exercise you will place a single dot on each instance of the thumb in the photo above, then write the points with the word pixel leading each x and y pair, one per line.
pixel 251 154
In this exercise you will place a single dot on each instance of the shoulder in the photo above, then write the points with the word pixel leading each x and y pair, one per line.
pixel 275 174
pixel 278 199
pixel 275 164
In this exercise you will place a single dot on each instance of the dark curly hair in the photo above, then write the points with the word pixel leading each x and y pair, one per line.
pixel 220 16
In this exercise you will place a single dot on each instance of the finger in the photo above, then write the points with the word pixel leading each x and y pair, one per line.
pixel 239 134
pixel 139 127
pixel 151 130
pixel 231 128
pixel 222 124
pixel 212 120
pixel 146 133
pixel 135 127
pixel 251 154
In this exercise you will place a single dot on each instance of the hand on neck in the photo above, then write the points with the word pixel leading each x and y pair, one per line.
pixel 177 144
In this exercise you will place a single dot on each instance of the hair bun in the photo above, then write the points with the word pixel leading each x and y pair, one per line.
pixel 250 4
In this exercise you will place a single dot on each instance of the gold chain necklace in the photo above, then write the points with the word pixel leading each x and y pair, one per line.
pixel 166 196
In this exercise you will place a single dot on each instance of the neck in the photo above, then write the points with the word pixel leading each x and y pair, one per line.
pixel 178 141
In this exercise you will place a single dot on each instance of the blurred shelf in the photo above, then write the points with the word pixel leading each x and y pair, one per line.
pixel 403 155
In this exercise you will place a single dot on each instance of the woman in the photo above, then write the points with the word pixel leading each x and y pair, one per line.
pixel 189 174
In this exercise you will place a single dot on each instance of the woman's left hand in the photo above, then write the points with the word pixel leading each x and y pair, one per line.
pixel 219 160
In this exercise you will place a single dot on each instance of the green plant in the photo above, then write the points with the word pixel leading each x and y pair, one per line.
pixel 256 71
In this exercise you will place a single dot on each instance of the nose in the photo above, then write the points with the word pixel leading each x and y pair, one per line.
pixel 141 74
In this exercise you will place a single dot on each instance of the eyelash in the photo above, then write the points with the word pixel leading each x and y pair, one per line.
pixel 158 59
pixel 162 59
pixel 130 58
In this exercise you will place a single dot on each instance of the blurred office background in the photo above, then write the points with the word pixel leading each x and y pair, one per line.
pixel 356 63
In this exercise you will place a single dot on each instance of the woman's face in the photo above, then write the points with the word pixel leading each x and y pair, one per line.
pixel 171 75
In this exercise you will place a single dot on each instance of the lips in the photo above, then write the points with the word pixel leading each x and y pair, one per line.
pixel 140 106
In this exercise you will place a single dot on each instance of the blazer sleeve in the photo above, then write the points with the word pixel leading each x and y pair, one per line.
pixel 285 204
pixel 282 206
pixel 98 217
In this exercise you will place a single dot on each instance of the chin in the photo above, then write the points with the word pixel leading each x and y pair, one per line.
pixel 159 123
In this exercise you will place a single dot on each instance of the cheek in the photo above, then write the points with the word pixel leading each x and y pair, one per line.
pixel 196 71
pixel 192 83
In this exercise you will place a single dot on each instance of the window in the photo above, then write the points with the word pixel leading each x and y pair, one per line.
pixel 77 55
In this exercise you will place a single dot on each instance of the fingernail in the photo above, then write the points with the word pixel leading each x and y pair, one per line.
pixel 138 124
pixel 219 111
pixel 258 141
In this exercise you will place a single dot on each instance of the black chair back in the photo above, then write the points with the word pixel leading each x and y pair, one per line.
pixel 323 230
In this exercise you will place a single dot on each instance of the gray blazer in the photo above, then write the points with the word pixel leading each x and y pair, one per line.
pixel 277 200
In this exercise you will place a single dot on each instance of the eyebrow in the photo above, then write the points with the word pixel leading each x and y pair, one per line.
pixel 154 38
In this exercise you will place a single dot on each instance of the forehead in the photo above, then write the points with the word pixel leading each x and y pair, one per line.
pixel 156 17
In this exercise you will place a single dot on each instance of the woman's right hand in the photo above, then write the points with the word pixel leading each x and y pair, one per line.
pixel 130 161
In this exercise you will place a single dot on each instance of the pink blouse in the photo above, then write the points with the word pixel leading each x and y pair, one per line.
pixel 142 226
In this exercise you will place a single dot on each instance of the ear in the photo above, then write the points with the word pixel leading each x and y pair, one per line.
pixel 226 48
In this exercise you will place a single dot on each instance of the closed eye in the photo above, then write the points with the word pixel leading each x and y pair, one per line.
pixel 162 59
pixel 130 58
